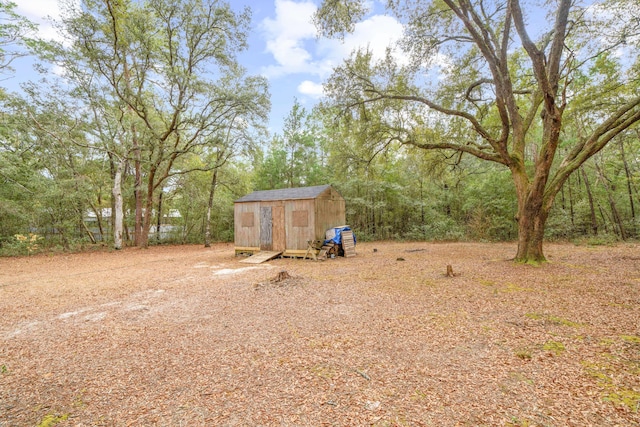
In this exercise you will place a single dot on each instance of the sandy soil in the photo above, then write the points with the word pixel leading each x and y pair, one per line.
pixel 189 336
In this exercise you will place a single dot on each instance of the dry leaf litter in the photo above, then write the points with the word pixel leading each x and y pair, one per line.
pixel 188 336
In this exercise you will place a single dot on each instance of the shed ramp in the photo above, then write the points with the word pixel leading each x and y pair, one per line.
pixel 261 257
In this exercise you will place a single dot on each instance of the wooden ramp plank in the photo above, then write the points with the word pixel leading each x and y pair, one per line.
pixel 261 257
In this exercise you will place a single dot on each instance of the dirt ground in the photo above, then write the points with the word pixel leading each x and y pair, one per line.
pixel 189 336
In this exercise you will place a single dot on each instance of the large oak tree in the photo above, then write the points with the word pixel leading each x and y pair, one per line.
pixel 512 74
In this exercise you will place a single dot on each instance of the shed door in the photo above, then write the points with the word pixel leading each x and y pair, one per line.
pixel 272 230
pixel 279 235
pixel 266 229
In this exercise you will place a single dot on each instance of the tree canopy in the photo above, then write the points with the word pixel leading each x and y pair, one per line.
pixel 479 79
pixel 486 122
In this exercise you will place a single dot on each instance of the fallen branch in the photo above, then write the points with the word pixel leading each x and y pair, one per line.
pixel 363 375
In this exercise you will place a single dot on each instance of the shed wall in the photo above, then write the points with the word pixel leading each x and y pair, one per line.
pixel 330 212
pixel 245 236
pixel 323 212
pixel 298 235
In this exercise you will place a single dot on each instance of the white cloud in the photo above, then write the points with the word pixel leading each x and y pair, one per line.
pixel 291 39
pixel 41 12
pixel 376 34
pixel 38 10
pixel 286 36
pixel 312 89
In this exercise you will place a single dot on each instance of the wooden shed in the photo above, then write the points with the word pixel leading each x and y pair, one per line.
pixel 285 220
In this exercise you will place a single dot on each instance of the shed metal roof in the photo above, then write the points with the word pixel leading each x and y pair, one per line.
pixel 285 194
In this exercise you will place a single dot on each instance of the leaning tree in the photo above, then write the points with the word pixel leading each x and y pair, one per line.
pixel 500 80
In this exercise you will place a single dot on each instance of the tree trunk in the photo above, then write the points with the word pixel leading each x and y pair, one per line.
pixel 207 225
pixel 137 191
pixel 533 211
pixel 143 242
pixel 615 214
pixel 140 237
pixel 89 233
pixel 573 223
pixel 531 225
pixel 594 220
pixel 627 172
pixel 118 206
pixel 98 213
pixel 159 219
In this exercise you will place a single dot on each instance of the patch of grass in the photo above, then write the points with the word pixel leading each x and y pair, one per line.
pixel 506 288
pixel 397 421
pixel 524 354
pixel 323 371
pixel 563 322
pixel 555 347
pixel 616 372
pixel 78 402
pixel 4 369
pixel 633 339
pixel 534 316
pixel 598 372
pixel 519 376
pixel 419 395
pixel 518 422
pixel 554 320
pixel 624 397
pixel 599 240
pixel 619 305
pixel 50 420
pixel 511 287
pixel 606 342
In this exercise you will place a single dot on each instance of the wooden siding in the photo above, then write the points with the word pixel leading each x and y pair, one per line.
pixel 297 237
pixel 246 236
pixel 330 212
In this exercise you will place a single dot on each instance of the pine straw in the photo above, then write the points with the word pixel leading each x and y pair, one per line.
pixel 188 336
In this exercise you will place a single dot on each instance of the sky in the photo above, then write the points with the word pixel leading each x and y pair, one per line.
pixel 283 47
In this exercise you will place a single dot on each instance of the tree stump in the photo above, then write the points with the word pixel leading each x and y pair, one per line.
pixel 283 275
pixel 450 271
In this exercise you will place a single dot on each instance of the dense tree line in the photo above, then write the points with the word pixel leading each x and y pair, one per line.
pixel 154 128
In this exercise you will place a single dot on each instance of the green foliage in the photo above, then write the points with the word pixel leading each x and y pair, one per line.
pixel 294 159
pixel 16 34
pixel 489 206
pixel 59 148
pixel 501 97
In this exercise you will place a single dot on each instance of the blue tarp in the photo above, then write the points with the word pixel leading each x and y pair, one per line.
pixel 337 239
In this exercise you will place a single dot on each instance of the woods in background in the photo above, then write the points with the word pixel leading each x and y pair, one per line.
pixel 104 152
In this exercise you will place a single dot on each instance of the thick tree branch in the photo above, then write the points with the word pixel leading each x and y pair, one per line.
pixel 455 147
